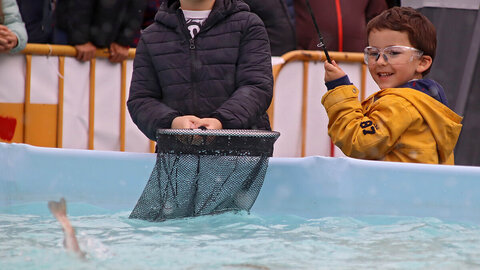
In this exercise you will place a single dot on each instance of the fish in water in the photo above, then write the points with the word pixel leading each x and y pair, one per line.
pixel 59 211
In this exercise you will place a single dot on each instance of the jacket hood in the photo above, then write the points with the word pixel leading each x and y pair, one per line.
pixel 444 123
pixel 167 13
pixel 429 87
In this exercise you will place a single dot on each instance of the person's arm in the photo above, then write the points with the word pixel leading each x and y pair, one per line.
pixel 254 80
pixel 361 134
pixel 118 53
pixel 85 52
pixel 335 76
pixel 130 25
pixel 14 37
pixel 147 110
pixel 81 14
pixel 8 39
pixel 280 28
pixel 365 134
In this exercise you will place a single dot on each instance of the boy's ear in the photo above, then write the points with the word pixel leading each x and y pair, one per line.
pixel 425 63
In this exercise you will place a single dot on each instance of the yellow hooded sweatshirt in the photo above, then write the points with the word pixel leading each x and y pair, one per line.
pixel 393 124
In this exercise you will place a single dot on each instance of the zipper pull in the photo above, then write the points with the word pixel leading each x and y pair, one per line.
pixel 192 44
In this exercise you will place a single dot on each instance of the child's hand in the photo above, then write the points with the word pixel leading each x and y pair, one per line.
pixel 333 71
pixel 186 121
pixel 210 123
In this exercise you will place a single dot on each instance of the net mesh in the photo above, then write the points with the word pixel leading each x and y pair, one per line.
pixel 201 172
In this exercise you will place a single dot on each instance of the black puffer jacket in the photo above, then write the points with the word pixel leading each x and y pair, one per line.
pixel 280 29
pixel 100 22
pixel 38 18
pixel 224 72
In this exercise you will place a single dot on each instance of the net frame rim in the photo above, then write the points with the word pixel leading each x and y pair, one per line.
pixel 221 132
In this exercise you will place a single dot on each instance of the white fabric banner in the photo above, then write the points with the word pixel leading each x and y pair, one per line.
pixel 12 78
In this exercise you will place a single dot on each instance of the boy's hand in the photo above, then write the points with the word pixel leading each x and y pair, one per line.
pixel 186 121
pixel 193 122
pixel 210 123
pixel 333 71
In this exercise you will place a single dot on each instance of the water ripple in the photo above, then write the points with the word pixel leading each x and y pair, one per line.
pixel 241 241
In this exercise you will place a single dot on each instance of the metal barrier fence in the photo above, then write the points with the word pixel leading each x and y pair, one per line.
pixel 63 51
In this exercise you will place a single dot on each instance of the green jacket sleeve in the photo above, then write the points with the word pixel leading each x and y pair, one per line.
pixel 13 20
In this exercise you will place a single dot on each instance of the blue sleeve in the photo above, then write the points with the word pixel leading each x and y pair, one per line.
pixel 338 82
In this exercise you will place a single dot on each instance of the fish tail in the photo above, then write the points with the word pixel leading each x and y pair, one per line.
pixel 58 208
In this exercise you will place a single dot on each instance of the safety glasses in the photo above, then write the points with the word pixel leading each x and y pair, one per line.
pixel 394 55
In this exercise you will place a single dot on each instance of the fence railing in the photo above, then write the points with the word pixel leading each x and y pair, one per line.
pixel 62 51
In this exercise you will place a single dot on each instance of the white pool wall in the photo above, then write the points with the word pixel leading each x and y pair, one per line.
pixel 311 187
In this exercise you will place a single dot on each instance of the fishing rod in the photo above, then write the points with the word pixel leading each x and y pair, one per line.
pixel 321 44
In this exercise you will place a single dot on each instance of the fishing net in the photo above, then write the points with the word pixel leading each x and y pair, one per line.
pixel 201 172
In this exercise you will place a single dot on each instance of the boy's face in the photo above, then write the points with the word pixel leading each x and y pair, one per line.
pixel 389 72
pixel 197 4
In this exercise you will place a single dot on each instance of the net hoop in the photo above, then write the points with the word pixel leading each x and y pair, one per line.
pixel 221 132
pixel 223 142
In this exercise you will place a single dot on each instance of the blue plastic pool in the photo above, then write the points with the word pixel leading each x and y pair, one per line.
pixel 312 213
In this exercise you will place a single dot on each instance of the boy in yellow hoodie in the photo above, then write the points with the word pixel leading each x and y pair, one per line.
pixel 408 119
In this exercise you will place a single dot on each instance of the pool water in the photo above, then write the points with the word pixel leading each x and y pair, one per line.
pixel 236 241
